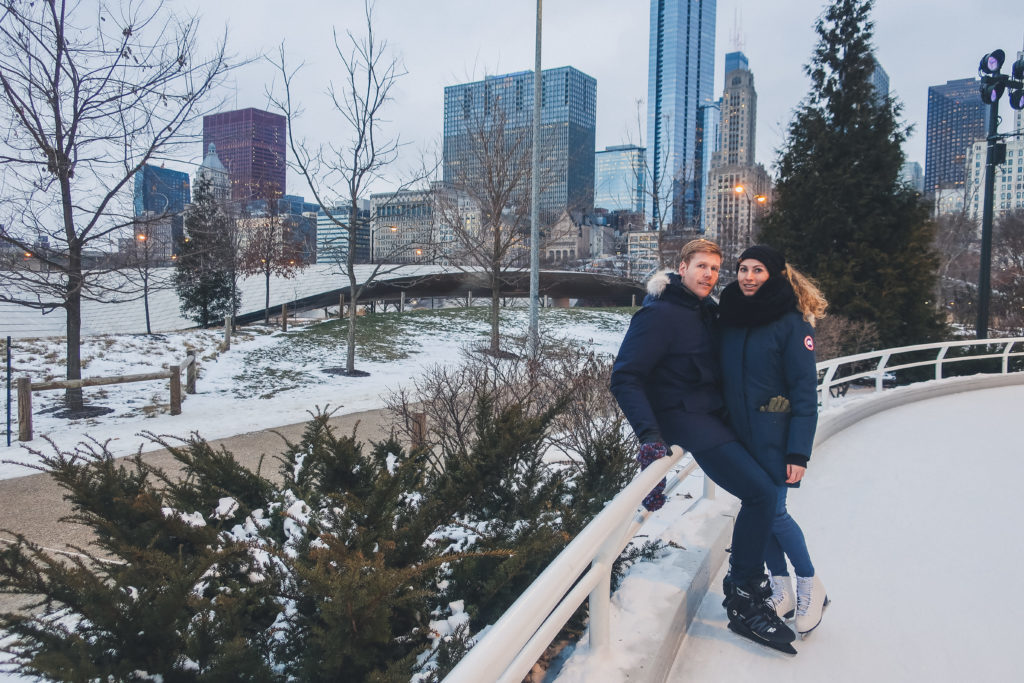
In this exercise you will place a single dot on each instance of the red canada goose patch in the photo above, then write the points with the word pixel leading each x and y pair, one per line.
pixel 809 342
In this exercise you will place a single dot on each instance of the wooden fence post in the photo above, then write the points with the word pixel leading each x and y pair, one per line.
pixel 419 429
pixel 341 304
pixel 190 373
pixel 284 317
pixel 24 409
pixel 175 371
pixel 633 302
pixel 401 302
pixel 469 298
pixel 227 333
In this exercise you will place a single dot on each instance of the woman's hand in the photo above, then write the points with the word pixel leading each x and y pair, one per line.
pixel 794 473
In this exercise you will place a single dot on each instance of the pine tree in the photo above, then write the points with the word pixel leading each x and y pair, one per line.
pixel 841 212
pixel 205 269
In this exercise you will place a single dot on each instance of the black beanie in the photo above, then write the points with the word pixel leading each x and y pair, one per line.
pixel 774 261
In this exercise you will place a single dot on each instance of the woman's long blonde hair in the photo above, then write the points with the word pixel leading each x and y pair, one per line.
pixel 809 299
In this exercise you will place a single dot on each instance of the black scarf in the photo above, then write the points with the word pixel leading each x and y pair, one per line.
pixel 773 300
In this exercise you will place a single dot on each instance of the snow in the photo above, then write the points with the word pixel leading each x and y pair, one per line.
pixel 267 379
pixel 908 513
pixel 910 517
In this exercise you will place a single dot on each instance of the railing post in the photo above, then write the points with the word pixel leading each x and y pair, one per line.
pixel 190 373
pixel 938 362
pixel 284 317
pixel 709 487
pixel 600 610
pixel 175 371
pixel 24 409
pixel 419 429
pixel 1006 357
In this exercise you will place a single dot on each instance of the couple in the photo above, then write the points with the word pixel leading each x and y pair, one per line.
pixel 734 383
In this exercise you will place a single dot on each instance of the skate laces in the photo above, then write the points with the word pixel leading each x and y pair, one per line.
pixel 804 585
pixel 778 593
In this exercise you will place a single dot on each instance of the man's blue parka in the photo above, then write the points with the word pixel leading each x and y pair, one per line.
pixel 665 377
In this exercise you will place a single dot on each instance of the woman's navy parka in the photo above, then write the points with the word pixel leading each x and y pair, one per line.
pixel 761 362
pixel 665 377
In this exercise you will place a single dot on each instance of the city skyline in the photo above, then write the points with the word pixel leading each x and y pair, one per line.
pixel 456 41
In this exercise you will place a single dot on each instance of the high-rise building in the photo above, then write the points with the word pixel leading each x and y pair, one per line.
pixel 880 82
pixel 619 178
pixel 738 188
pixel 568 104
pixel 735 60
pixel 709 118
pixel 957 117
pixel 332 239
pixel 161 190
pixel 251 145
pixel 1008 182
pixel 912 174
pixel 681 72
pixel 214 171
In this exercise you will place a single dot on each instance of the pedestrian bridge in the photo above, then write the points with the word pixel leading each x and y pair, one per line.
pixel 319 286
pixel 911 509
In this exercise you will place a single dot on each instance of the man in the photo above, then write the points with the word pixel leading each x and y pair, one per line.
pixel 666 381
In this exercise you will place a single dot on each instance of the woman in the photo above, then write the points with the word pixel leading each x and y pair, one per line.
pixel 769 381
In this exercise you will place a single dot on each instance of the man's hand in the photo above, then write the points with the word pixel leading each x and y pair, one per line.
pixel 649 452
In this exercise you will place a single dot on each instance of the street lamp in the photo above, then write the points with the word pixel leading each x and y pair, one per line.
pixel 993 85
pixel 732 247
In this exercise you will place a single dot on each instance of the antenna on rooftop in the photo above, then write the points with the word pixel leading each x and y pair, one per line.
pixel 737 33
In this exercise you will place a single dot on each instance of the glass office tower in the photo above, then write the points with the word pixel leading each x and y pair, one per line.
pixel 681 75
pixel 251 145
pixel 957 117
pixel 568 104
pixel 619 178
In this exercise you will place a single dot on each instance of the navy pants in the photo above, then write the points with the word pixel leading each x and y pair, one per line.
pixel 735 470
pixel 787 540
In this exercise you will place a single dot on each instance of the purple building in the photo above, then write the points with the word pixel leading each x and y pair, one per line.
pixel 251 144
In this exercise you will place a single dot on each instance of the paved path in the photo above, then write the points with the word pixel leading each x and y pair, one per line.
pixel 34 505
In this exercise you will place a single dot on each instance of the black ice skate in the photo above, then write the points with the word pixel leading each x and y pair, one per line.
pixel 751 617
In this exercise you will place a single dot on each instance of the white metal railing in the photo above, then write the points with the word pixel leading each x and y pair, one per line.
pixel 510 648
pixel 836 375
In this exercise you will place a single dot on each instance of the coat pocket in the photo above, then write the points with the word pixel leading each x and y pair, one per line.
pixel 769 433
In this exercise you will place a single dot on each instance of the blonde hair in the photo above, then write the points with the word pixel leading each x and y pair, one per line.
pixel 699 245
pixel 809 299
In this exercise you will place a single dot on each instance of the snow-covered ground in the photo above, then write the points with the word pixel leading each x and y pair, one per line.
pixel 912 520
pixel 267 378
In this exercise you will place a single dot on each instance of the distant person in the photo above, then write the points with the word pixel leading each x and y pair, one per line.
pixel 666 381
pixel 769 381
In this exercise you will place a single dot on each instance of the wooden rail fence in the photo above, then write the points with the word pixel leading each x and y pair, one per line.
pixel 173 373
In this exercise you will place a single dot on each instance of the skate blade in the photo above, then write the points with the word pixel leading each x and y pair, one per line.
pixel 785 648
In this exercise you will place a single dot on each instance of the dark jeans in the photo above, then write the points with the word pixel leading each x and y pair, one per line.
pixel 787 540
pixel 735 470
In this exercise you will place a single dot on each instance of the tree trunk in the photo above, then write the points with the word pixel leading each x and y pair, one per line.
pixel 266 303
pixel 145 302
pixel 73 397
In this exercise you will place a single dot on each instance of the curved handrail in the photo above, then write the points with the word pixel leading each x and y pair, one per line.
pixel 509 648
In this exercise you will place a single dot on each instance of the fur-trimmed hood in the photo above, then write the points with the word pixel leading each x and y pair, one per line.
pixel 659 281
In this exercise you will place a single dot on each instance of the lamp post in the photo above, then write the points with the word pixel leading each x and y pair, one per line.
pixel 732 248
pixel 993 84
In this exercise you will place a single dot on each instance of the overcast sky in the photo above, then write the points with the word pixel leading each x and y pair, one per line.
pixel 445 42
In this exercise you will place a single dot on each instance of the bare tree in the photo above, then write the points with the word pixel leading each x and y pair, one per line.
pixel 269 246
pixel 1008 270
pixel 485 204
pixel 86 100
pixel 354 165
pixel 957 247
pixel 146 255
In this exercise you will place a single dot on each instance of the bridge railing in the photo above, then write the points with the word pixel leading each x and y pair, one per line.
pixel 511 647
pixel 880 370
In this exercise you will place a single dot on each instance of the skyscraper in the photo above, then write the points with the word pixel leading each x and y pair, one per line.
pixel 161 190
pixel 569 100
pixel 957 117
pixel 681 72
pixel 619 178
pixel 880 82
pixel 251 144
pixel 737 187
pixel 215 172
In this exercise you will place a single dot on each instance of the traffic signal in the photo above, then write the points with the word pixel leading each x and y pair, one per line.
pixel 991 89
pixel 992 62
